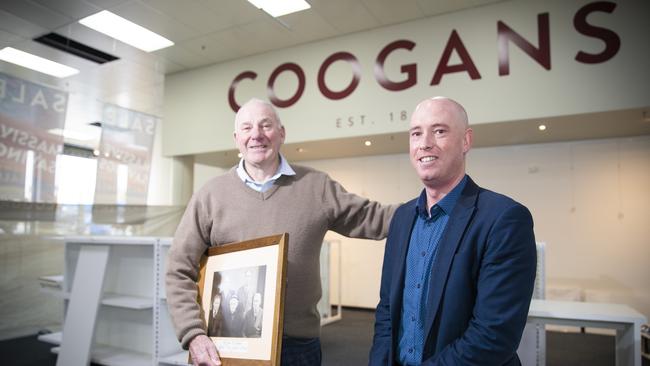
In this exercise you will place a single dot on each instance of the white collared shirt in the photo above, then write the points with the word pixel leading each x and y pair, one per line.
pixel 283 169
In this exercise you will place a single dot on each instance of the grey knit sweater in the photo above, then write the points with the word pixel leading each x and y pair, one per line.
pixel 305 205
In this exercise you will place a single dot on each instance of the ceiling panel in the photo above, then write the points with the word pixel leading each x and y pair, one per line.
pixel 35 13
pixel 8 39
pixel 181 55
pixel 21 27
pixel 233 12
pixel 260 36
pixel 345 16
pixel 391 12
pixel 437 7
pixel 307 26
pixel 430 8
pixel 196 15
pixel 217 47
pixel 108 4
pixel 75 9
pixel 155 21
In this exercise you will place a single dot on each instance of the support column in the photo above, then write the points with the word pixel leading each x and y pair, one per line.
pixel 182 179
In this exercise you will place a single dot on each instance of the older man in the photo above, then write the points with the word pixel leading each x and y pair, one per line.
pixel 262 196
pixel 459 265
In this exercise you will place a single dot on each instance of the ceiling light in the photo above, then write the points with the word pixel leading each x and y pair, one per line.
pixel 368 143
pixel 126 31
pixel 239 155
pixel 277 8
pixel 541 127
pixel 37 63
pixel 300 149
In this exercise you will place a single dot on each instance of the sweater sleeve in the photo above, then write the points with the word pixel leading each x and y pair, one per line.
pixel 190 242
pixel 355 216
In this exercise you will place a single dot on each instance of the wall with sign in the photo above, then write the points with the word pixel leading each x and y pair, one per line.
pixel 510 61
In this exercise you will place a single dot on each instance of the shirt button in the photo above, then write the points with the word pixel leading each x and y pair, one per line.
pixel 418 286
pixel 410 350
pixel 424 253
pixel 412 318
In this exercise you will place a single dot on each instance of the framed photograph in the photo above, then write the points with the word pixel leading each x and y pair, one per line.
pixel 241 293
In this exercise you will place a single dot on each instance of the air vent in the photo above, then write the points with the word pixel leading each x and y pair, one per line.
pixel 80 151
pixel 78 49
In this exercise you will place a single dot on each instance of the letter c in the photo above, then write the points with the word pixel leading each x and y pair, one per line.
pixel 231 91
pixel 289 66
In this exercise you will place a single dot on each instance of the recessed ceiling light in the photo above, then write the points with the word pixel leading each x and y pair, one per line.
pixel 277 8
pixel 239 155
pixel 126 31
pixel 368 143
pixel 541 127
pixel 300 149
pixel 36 63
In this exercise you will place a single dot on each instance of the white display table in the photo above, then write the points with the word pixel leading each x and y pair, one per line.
pixel 625 320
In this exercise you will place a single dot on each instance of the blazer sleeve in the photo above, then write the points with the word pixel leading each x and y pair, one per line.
pixel 380 352
pixel 504 289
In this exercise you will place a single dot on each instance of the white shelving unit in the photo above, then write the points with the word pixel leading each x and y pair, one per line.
pixel 108 292
pixel 168 350
pixel 113 289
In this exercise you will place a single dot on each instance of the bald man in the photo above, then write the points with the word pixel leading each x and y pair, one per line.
pixel 263 195
pixel 459 264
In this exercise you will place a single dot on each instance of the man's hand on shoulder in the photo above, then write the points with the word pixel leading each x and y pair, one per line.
pixel 204 352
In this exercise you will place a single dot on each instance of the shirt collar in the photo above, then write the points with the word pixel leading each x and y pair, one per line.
pixel 446 204
pixel 283 169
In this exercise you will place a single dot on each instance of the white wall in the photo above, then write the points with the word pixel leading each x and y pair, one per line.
pixel 590 201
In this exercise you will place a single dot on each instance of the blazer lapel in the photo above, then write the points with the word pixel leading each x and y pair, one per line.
pixel 460 218
pixel 397 281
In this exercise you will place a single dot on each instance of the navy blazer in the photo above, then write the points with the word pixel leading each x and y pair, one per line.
pixel 480 288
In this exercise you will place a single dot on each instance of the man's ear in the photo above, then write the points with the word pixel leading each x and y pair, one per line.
pixel 468 140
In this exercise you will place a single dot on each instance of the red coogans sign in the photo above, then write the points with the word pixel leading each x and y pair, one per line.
pixel 505 35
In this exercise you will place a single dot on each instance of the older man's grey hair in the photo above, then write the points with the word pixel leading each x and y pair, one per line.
pixel 257 101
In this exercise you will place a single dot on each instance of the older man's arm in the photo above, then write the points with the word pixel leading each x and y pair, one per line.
pixel 190 242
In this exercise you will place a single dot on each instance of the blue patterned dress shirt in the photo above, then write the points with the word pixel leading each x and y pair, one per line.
pixel 420 258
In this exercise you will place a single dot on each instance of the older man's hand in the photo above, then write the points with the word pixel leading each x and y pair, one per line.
pixel 204 352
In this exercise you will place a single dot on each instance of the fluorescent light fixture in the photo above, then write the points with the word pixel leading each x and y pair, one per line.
pixel 37 63
pixel 126 31
pixel 277 8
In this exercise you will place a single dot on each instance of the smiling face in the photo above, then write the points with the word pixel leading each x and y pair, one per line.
pixel 259 134
pixel 438 141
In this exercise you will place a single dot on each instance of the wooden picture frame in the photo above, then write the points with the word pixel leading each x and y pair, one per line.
pixel 241 294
